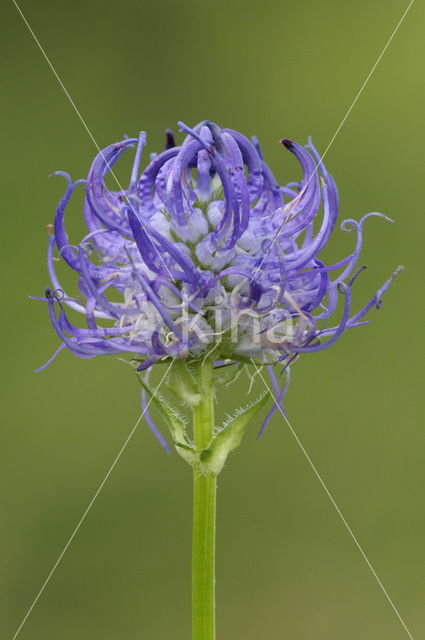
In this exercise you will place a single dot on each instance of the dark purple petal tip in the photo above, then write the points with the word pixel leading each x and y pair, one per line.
pixel 287 143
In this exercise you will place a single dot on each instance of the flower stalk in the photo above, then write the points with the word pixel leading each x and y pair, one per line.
pixel 206 450
pixel 204 514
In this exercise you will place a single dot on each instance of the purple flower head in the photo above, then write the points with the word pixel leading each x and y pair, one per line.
pixel 205 253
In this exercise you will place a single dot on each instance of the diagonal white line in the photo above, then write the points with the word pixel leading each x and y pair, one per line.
pixel 367 79
pixel 83 517
pixel 347 526
pixel 360 91
pixel 84 124
pixel 61 83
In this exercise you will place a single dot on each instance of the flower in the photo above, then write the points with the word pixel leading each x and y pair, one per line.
pixel 206 254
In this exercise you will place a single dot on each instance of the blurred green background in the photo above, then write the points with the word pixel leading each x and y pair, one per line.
pixel 286 567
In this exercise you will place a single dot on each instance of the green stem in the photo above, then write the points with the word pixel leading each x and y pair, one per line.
pixel 204 492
